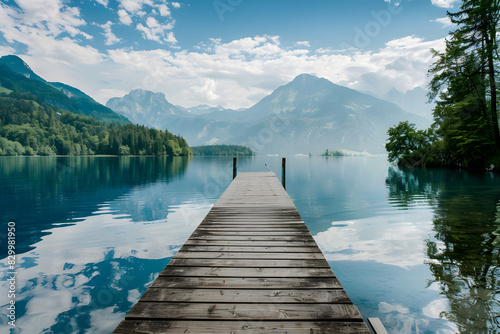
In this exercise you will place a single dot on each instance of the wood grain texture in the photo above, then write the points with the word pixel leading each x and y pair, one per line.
pixel 251 266
pixel 240 327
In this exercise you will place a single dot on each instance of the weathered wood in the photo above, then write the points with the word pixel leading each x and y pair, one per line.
pixel 248 263
pixel 377 326
pixel 250 243
pixel 260 283
pixel 200 233
pixel 252 249
pixel 278 237
pixel 251 228
pixel 250 311
pixel 246 272
pixel 240 327
pixel 251 266
pixel 253 256
pixel 200 295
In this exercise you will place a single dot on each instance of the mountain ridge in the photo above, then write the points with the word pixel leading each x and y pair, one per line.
pixel 315 114
pixel 17 75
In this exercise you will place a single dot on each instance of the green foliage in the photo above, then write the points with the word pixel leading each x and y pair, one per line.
pixel 222 150
pixel 336 153
pixel 53 95
pixel 407 145
pixel 465 133
pixel 35 128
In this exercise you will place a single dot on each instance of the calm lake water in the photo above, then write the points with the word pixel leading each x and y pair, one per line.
pixel 418 249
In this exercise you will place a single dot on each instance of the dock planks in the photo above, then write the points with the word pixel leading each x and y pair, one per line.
pixel 251 266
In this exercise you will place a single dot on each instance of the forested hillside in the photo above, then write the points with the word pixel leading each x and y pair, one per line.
pixel 29 126
pixel 17 76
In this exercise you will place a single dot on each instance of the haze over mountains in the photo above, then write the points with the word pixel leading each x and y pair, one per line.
pixel 307 115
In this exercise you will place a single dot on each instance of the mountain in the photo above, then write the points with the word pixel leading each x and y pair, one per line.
pixel 17 76
pixel 204 109
pixel 414 101
pixel 309 114
pixel 144 107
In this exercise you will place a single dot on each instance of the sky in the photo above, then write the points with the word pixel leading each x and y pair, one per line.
pixel 225 52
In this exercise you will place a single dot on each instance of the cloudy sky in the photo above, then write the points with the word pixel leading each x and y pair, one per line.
pixel 224 52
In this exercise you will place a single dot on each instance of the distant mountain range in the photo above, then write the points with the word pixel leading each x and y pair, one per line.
pixel 17 76
pixel 414 101
pixel 307 115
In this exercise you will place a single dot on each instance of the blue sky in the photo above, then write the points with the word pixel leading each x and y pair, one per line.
pixel 227 52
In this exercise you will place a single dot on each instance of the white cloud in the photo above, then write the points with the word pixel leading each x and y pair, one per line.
pixel 103 2
pixel 124 17
pixel 156 32
pixel 6 50
pixel 133 6
pixel 247 69
pixel 445 21
pixel 176 5
pixel 236 73
pixel 164 11
pixel 303 43
pixel 50 16
pixel 170 38
pixel 444 3
pixel 110 37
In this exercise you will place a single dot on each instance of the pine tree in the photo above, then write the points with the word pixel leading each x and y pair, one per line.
pixel 464 78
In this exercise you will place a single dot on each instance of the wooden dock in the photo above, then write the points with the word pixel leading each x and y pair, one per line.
pixel 251 266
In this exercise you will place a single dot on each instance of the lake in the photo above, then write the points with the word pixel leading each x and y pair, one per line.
pixel 417 248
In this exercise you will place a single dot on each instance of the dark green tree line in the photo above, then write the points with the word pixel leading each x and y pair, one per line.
pixel 28 127
pixel 465 132
pixel 222 150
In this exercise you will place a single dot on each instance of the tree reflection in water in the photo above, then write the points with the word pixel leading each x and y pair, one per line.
pixel 463 255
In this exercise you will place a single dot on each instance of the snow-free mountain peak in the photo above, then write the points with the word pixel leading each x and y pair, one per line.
pixel 308 114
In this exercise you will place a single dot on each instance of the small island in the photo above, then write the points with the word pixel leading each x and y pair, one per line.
pixel 336 153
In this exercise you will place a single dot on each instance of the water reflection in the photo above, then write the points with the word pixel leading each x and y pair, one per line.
pixel 85 277
pixel 92 233
pixel 42 193
pixel 463 253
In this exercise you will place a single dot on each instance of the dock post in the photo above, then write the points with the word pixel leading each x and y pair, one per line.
pixel 234 167
pixel 283 172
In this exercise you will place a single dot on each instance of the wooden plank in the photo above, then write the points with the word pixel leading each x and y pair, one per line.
pixel 239 228
pixel 246 282
pixel 256 223
pixel 241 327
pixel 208 232
pixel 200 295
pixel 246 272
pixel 250 243
pixel 250 266
pixel 253 238
pixel 254 249
pixel 377 326
pixel 247 255
pixel 255 311
pixel 248 263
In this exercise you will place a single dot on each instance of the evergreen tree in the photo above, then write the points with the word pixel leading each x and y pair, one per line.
pixel 465 75
pixel 465 132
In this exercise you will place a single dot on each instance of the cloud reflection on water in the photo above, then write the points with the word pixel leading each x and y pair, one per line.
pixel 96 268
pixel 389 239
